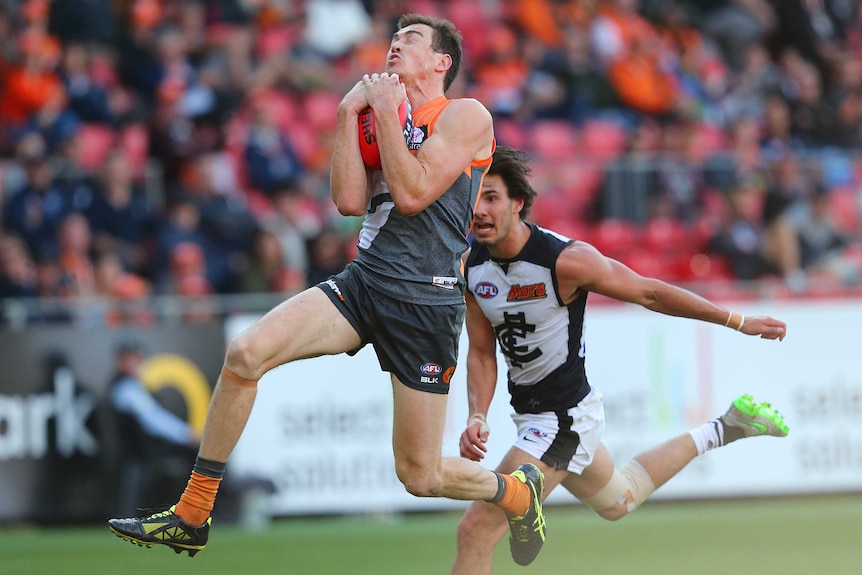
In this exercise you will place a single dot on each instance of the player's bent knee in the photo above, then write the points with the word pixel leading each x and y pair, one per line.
pixel 242 358
pixel 417 480
pixel 624 493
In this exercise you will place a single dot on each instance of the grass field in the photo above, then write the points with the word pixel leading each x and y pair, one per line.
pixel 794 536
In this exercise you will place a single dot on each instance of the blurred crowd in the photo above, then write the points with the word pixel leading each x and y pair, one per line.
pixel 181 147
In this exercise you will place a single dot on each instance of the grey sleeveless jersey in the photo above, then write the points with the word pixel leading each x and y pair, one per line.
pixel 417 259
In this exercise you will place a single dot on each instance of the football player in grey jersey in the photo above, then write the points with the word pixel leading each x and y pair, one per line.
pixel 526 292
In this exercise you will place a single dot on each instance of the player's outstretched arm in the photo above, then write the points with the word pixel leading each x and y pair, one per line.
pixel 582 267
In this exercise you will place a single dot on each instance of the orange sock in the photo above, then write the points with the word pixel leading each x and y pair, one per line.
pixel 196 502
pixel 516 497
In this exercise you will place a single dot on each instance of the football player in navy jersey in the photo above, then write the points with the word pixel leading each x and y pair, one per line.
pixel 527 289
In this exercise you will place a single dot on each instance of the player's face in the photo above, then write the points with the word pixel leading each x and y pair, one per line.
pixel 410 50
pixel 496 213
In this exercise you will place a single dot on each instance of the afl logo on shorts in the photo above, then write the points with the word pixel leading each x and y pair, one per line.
pixel 486 290
pixel 431 369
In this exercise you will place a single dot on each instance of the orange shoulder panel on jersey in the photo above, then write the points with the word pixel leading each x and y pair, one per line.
pixel 426 116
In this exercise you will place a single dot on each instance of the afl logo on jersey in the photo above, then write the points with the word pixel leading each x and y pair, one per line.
pixel 431 369
pixel 486 290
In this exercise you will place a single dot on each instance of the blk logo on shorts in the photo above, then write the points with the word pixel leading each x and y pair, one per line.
pixel 432 373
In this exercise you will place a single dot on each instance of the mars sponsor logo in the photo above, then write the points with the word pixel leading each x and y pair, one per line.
pixel 486 290
pixel 522 293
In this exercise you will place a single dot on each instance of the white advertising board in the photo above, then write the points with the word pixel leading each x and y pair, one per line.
pixel 321 428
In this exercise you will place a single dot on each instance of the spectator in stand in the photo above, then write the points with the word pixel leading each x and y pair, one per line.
pixel 544 20
pixel 75 257
pixel 800 236
pixel 87 100
pixel 34 213
pixel 813 119
pixel 743 161
pixel 266 270
pixel 777 140
pixel 813 27
pixel 17 270
pixel 32 96
pixel 736 25
pixel 123 292
pixel 120 215
pixel 293 221
pixel 225 218
pixel 741 234
pixel 180 226
pixel 328 254
pixel 566 84
pixel 679 178
pixel 630 50
pixel 845 95
pixel 270 160
pixel 501 77
pixel 84 21
pixel 752 86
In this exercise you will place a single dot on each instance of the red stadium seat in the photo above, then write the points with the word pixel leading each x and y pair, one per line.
pixel 93 142
pixel 555 140
pixel 666 235
pixel 844 207
pixel 603 140
pixel 615 238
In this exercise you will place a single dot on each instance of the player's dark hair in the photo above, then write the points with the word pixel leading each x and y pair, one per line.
pixel 446 40
pixel 512 167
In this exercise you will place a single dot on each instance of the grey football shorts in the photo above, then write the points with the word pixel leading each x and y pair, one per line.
pixel 417 343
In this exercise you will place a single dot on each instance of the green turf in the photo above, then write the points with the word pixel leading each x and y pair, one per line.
pixel 798 536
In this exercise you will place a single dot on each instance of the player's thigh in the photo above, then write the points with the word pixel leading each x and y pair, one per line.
pixel 418 420
pixel 306 325
pixel 594 477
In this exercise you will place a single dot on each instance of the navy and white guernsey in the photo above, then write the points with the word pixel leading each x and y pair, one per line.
pixel 540 337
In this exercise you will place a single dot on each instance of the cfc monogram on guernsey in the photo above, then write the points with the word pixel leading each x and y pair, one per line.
pixel 521 300
pixel 389 241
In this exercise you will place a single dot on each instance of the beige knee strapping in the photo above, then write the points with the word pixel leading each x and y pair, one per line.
pixel 629 487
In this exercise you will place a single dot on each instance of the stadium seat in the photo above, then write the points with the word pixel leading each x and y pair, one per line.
pixel 320 109
pixel 650 264
pixel 603 140
pixel 845 203
pixel 135 141
pixel 666 235
pixel 616 238
pixel 93 142
pixel 554 140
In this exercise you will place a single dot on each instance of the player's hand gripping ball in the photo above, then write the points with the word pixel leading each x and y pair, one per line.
pixel 368 134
